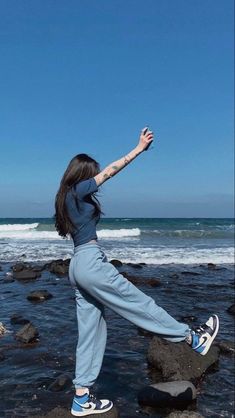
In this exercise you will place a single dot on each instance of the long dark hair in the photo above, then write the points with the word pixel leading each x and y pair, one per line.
pixel 81 167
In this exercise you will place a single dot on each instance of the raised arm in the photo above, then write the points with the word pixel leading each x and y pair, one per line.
pixel 146 137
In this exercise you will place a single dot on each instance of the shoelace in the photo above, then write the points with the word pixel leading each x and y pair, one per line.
pixel 92 397
pixel 199 330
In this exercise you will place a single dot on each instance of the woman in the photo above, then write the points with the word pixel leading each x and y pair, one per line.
pixel 97 283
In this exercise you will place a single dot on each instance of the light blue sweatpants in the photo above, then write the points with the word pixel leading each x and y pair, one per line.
pixel 97 283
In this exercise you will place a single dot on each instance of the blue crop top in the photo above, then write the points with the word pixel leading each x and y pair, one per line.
pixel 85 225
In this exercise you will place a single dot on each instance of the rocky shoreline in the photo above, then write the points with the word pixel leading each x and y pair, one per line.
pixel 166 362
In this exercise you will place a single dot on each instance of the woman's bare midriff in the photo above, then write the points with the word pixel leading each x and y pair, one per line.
pixel 93 240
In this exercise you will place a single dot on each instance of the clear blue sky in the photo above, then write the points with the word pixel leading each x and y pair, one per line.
pixel 86 76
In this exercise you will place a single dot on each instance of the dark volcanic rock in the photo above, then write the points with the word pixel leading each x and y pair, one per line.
pixel 65 413
pixel 18 320
pixel 226 347
pixel 231 309
pixel 39 295
pixel 177 361
pixel 59 267
pixel 152 282
pixel 116 263
pixel 62 382
pixel 25 275
pixel 184 414
pixel 169 394
pixel 211 265
pixel 149 281
pixel 18 267
pixel 135 265
pixel 27 333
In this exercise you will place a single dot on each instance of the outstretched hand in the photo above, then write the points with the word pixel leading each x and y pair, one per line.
pixel 146 137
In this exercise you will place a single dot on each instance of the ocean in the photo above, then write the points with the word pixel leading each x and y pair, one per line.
pixel 149 240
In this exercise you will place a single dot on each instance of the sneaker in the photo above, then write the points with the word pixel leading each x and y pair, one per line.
pixel 87 404
pixel 203 336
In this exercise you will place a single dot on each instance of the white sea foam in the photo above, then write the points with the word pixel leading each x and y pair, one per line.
pixel 32 234
pixel 17 227
pixel 44 251
pixel 118 233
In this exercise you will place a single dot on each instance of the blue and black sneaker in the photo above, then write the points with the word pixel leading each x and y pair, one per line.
pixel 87 404
pixel 203 336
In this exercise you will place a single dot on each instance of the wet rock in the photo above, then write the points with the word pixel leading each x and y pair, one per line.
pixel 177 361
pixel 152 282
pixel 62 382
pixel 65 413
pixel 18 320
pixel 59 267
pixel 231 309
pixel 18 267
pixel 25 275
pixel 135 265
pixel 116 263
pixel 168 394
pixel 28 333
pixel 184 414
pixel 2 329
pixel 39 295
pixel 211 265
pixel 149 281
pixel 226 347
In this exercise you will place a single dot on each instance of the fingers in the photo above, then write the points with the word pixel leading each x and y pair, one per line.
pixel 146 132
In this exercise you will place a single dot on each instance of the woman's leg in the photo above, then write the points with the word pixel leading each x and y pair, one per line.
pixel 105 284
pixel 92 335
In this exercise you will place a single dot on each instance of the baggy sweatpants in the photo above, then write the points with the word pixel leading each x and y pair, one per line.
pixel 97 283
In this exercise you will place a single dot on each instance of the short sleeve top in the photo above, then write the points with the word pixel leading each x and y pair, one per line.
pixel 81 213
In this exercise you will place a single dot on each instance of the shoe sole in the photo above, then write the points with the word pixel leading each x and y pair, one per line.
pixel 90 412
pixel 208 345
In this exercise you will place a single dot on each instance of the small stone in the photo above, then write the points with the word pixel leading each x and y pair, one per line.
pixel 152 282
pixel 28 333
pixel 18 320
pixel 62 382
pixel 39 295
pixel 211 265
pixel 116 263
pixel 26 275
pixel 135 265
